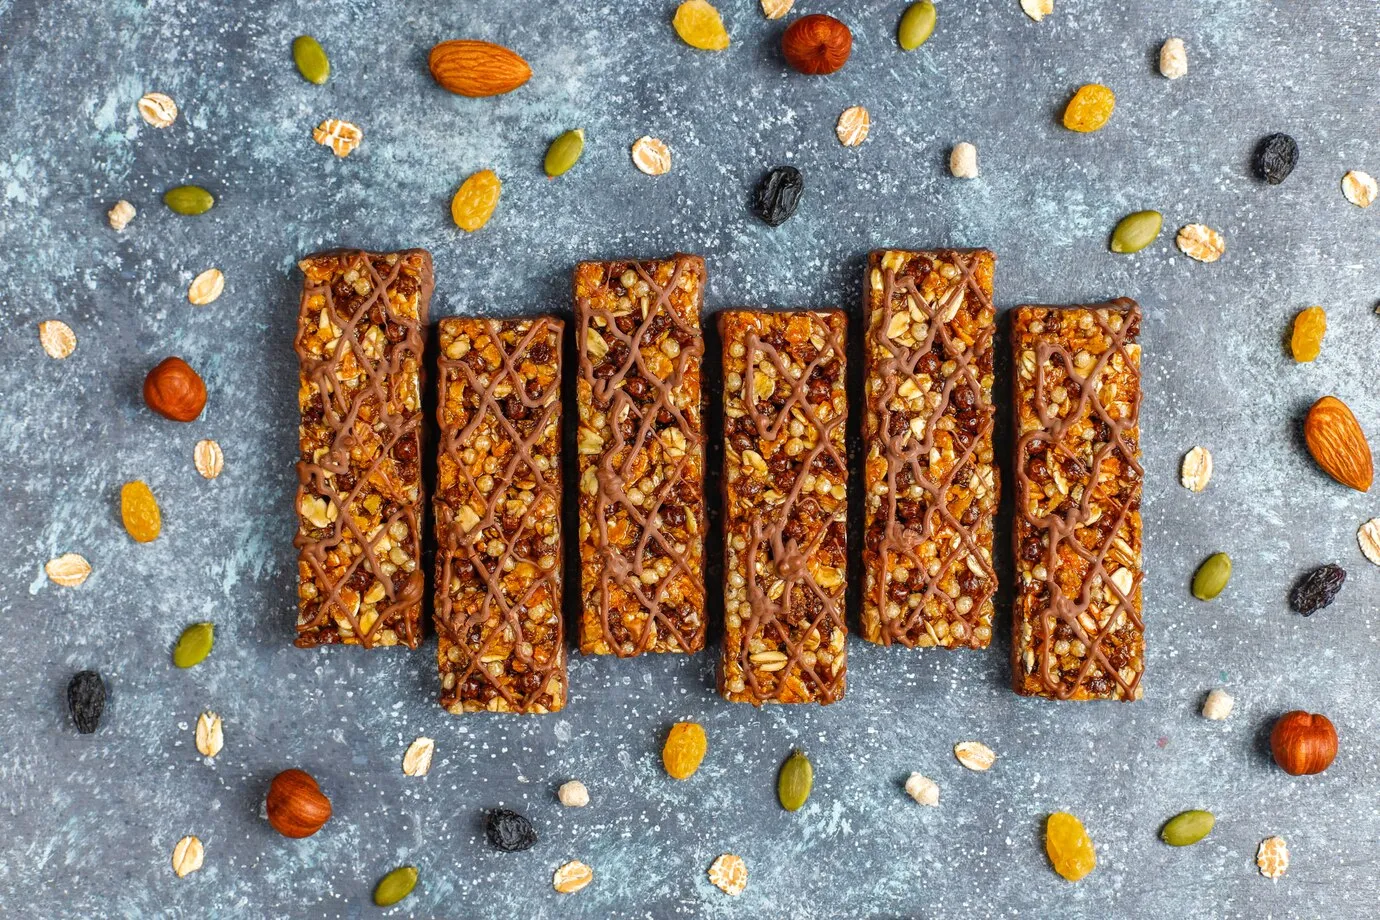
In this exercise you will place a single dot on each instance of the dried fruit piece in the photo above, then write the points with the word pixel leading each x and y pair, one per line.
pixel 509 831
pixel 778 195
pixel 158 109
pixel 208 458
pixel 1272 857
pixel 1136 231
pixel 817 44
pixel 139 511
pixel 86 700
pixel 794 782
pixel 1201 242
pixel 120 215
pixel 475 68
pixel 699 25
pixel 417 759
pixel 917 25
pixel 1275 157
pixel 341 136
pixel 963 161
pixel 1309 327
pixel 475 200
pixel 1037 9
pixel 571 877
pixel 564 152
pixel 395 886
pixel 68 570
pixel 57 338
pixel 189 200
pixel 1369 539
pixel 194 645
pixel 1212 576
pixel 188 856
pixel 1218 705
pixel 1173 59
pixel 651 156
pixel 175 391
pixel 1090 108
pixel 685 747
pixel 1187 828
pixel 573 794
pixel 729 874
pixel 853 126
pixel 975 755
pixel 1196 472
pixel 1336 441
pixel 210 734
pixel 776 9
pixel 1317 589
pixel 311 59
pixel 1359 188
pixel 206 287
pixel 923 789
pixel 1069 847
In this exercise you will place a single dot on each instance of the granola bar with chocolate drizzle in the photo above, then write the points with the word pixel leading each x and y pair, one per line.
pixel 1077 632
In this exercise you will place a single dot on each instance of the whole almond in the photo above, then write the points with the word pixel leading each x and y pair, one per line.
pixel 1336 441
pixel 474 68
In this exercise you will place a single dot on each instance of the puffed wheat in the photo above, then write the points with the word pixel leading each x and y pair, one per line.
pixel 963 161
pixel 1173 58
pixel 1218 705
pixel 923 789
pixel 120 215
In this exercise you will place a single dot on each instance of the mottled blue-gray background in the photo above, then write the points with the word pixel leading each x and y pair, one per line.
pixel 89 822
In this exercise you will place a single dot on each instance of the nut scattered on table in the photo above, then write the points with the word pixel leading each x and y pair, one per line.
pixel 187 856
pixel 571 877
pixel 210 734
pixel 963 161
pixel 1037 9
pixel 175 391
pixel 853 126
pixel 1338 444
pixel 729 874
pixel 1218 705
pixel 1173 58
pixel 573 794
pixel 296 805
pixel 923 789
pixel 1369 539
pixel 776 9
pixel 1303 743
pixel 208 458
pixel 341 136
pixel 206 287
pixel 1196 471
pixel 158 109
pixel 1272 857
pixel 975 755
pixel 57 338
pixel 120 215
pixel 1359 188
pixel 817 44
pixel 1201 242
pixel 651 156
pixel 68 570
pixel 417 760
pixel 476 68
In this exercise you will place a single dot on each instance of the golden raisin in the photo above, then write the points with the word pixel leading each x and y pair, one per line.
pixel 139 511
pixel 685 747
pixel 474 203
pixel 1089 108
pixel 1069 847
pixel 698 24
pixel 1309 327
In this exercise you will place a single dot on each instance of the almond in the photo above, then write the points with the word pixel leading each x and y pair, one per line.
pixel 474 68
pixel 1336 441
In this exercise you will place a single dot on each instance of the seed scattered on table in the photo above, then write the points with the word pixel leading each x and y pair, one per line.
pixel 158 109
pixel 1272 857
pixel 341 136
pixel 729 874
pixel 651 156
pixel 57 338
pixel 1196 472
pixel 975 755
pixel 573 794
pixel 1201 242
pixel 1359 188
pixel 206 287
pixel 1369 538
pixel 1218 705
pixel 210 734
pixel 68 570
pixel 187 856
pixel 1173 58
pixel 923 789
pixel 853 126
pixel 571 877
pixel 417 760
pixel 963 161
pixel 120 215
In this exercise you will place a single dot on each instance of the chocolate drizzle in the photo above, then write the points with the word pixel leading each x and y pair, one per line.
pixel 360 336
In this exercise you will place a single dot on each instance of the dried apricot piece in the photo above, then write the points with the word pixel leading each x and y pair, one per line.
pixel 475 201
pixel 699 25
pixel 1090 108
pixel 1309 327
pixel 1069 847
pixel 139 511
pixel 684 749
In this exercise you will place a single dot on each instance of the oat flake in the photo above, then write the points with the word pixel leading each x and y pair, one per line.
pixel 975 755
pixel 1359 188
pixel 206 287
pixel 1037 9
pixel 417 760
pixel 68 570
pixel 1369 538
pixel 57 338
pixel 210 734
pixel 158 109
pixel 1272 857
pixel 1196 471
pixel 187 856
pixel 729 874
pixel 853 126
pixel 776 9
pixel 208 458
pixel 341 136
pixel 1201 242
pixel 651 156
pixel 571 877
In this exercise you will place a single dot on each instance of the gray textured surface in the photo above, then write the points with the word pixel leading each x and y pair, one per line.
pixel 90 822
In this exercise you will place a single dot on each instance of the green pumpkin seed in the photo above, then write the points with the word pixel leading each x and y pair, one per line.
pixel 188 199
pixel 564 152
pixel 1212 577
pixel 1187 828
pixel 1136 231
pixel 917 25
pixel 794 782
pixel 194 645
pixel 395 886
pixel 311 59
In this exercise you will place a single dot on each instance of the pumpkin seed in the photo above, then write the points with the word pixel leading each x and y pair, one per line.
pixel 188 199
pixel 1136 231
pixel 395 886
pixel 1187 828
pixel 794 782
pixel 311 59
pixel 194 644
pixel 917 25
pixel 564 152
pixel 1212 577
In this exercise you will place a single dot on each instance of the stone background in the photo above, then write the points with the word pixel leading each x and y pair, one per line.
pixel 90 821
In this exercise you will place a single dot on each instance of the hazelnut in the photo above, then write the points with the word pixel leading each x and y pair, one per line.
pixel 1303 743
pixel 817 44
pixel 296 805
pixel 175 391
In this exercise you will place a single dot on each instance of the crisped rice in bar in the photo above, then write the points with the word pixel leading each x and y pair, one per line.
pixel 785 506
pixel 500 638
pixel 931 486
pixel 1077 631
pixel 361 332
pixel 641 448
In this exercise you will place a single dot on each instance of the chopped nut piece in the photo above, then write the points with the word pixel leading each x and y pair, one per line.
pixel 57 338
pixel 210 737
pixel 1359 188
pixel 68 570
pixel 729 874
pixel 776 9
pixel 417 760
pixel 1037 9
pixel 571 877
pixel 1369 538
pixel 1173 58
pixel 923 789
pixel 208 458
pixel 158 109
pixel 206 287
pixel 1201 242
pixel 1196 470
pixel 120 215
pixel 1218 705
pixel 975 755
pixel 651 156
pixel 853 126
pixel 187 856
pixel 963 161
pixel 573 794
pixel 341 136
pixel 1272 857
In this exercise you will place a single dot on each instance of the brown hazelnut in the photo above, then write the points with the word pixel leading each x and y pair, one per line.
pixel 296 805
pixel 175 391
pixel 817 44
pixel 1303 743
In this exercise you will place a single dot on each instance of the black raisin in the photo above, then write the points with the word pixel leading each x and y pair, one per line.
pixel 778 194
pixel 509 831
pixel 1317 589
pixel 86 699
pixel 1275 158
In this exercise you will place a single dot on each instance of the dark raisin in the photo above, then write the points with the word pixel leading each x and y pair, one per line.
pixel 1275 158
pixel 1317 589
pixel 509 831
pixel 86 699
pixel 778 194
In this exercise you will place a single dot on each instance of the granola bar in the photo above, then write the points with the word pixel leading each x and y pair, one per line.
pixel 500 637
pixel 785 506
pixel 1077 631
pixel 360 337
pixel 641 447
pixel 930 482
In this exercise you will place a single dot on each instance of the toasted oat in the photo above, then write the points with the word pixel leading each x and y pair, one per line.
pixel 1173 58
pixel 417 760
pixel 1369 538
pixel 571 877
pixel 1218 705
pixel 975 755
pixel 120 215
pixel 853 126
pixel 923 789
pixel 729 874
pixel 208 458
pixel 187 856
pixel 1359 188
pixel 1201 242
pixel 68 570
pixel 210 734
pixel 1196 471
pixel 158 109
pixel 57 338
pixel 206 287
pixel 1037 9
pixel 1272 857
pixel 341 136
pixel 573 794
pixel 651 156
pixel 775 9
pixel 963 161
